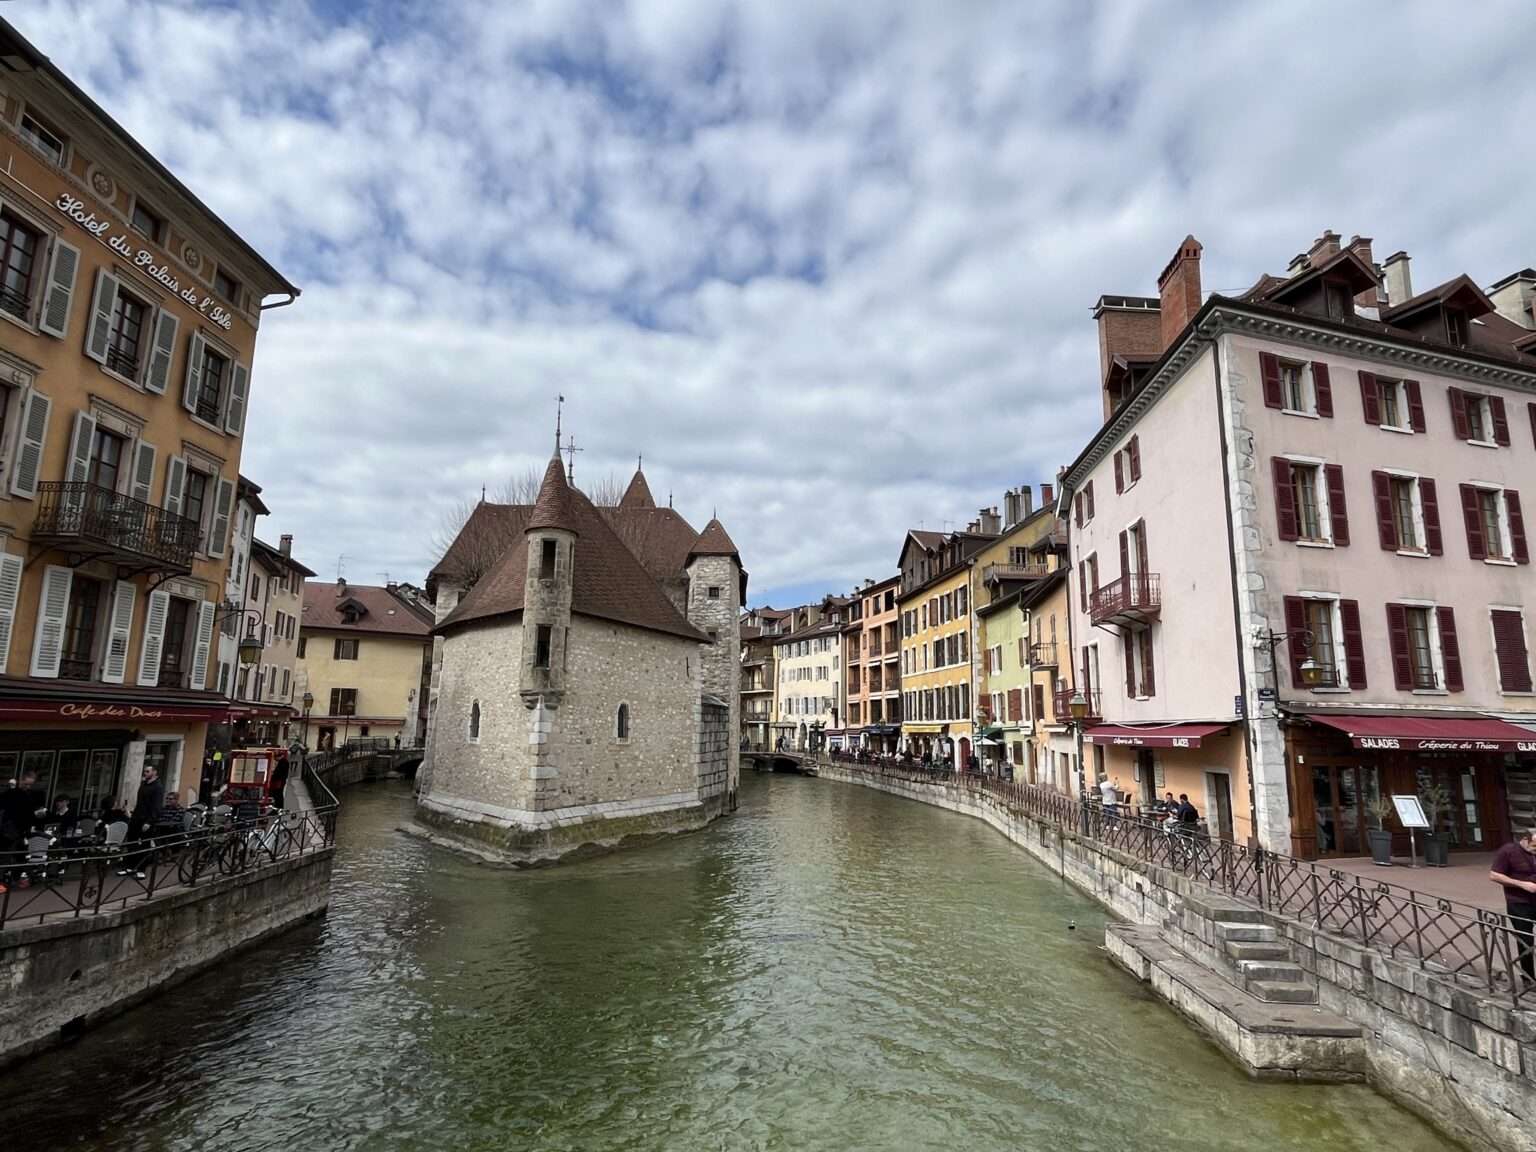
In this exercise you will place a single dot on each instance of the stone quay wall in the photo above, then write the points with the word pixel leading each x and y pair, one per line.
pixel 1464 1062
pixel 63 976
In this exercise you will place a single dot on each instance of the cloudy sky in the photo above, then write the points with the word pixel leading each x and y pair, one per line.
pixel 828 266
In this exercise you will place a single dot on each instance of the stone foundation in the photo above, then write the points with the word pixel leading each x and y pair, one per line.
pixel 1463 1062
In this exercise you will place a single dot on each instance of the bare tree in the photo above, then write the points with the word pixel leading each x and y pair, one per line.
pixel 605 493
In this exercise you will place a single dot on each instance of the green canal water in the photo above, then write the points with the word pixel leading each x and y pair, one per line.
pixel 830 969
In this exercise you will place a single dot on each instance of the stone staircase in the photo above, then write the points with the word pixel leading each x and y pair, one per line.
pixel 1261 965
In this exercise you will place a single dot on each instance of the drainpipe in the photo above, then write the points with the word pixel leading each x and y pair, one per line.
pixel 1250 737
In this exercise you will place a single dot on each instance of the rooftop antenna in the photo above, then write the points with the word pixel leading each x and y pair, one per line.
pixel 640 463
pixel 341 566
pixel 669 497
pixel 559 404
pixel 383 574
pixel 570 467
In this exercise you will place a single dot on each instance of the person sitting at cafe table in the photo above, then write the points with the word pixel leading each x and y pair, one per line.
pixel 64 818
pixel 1189 816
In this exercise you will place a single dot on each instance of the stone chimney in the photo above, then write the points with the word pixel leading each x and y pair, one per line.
pixel 285 544
pixel 1399 283
pixel 1323 249
pixel 1178 290
pixel 1361 247
pixel 991 523
pixel 1515 297
pixel 1297 265
pixel 341 585
pixel 1017 505
pixel 1047 495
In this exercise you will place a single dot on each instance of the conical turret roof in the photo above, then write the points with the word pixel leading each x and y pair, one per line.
pixel 553 507
pixel 638 494
pixel 713 541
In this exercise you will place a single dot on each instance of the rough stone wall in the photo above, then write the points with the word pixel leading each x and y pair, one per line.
pixel 722 659
pixel 73 973
pixel 547 602
pixel 715 746
pixel 448 597
pixel 481 663
pixel 1463 1062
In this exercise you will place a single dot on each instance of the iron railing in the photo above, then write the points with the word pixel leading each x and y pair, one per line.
pixel 1468 945
pixel 1137 597
pixel 75 510
pixel 1061 704
pixel 1043 655
pixel 996 573
pixel 58 879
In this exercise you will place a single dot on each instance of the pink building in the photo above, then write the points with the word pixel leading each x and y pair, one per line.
pixel 1301 572
pixel 872 667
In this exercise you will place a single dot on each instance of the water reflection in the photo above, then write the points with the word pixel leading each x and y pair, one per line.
pixel 829 969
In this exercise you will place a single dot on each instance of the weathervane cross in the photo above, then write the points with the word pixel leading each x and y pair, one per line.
pixel 570 456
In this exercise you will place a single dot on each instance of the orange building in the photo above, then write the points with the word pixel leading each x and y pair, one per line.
pixel 872 668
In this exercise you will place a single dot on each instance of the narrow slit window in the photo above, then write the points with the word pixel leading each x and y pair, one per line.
pixel 541 646
pixel 547 555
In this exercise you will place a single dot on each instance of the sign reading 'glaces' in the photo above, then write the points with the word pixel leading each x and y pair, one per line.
pixel 143 258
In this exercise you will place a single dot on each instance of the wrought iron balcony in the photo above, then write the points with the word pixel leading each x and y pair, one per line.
pixel 1001 573
pixel 1043 655
pixel 1061 706
pixel 1132 601
pixel 91 518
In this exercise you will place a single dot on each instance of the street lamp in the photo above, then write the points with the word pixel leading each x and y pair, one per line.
pixel 1078 707
pixel 250 647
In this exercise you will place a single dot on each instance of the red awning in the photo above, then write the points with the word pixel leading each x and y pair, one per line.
pixel 1152 735
pixel 1424 734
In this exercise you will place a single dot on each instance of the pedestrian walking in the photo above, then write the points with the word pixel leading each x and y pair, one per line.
pixel 1111 796
pixel 19 807
pixel 1514 868
pixel 279 783
pixel 142 821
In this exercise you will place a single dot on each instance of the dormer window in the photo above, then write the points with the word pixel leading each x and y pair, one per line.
pixel 1341 301
pixel 1456 327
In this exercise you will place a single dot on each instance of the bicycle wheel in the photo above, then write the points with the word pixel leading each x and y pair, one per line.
pixel 232 856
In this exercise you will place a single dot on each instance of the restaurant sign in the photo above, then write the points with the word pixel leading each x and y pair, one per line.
pixel 1397 743
pixel 80 710
pixel 142 258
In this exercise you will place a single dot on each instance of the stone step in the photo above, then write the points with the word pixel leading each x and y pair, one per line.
pixel 1282 992
pixel 1241 950
pixel 1246 931
pixel 1266 970
pixel 1219 908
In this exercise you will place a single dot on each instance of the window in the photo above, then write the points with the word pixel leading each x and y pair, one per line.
pixel 1309 522
pixel 287 684
pixel 343 701
pixel 1421 648
pixel 106 460
pixel 345 648
pixel 1490 505
pixel 548 550
pixel 1478 421
pixel 621 723
pixel 474 722
pixel 227 286
pixel 1309 501
pixel 1478 418
pixel 148 224
pixel 195 499
pixel 1510 651
pixel 714 591
pixel 1405 520
pixel 1495 524
pixel 1323 650
pixel 19 247
pixel 1341 302
pixel 541 646
pixel 1391 401
pixel 1293 387
pixel 125 341
pixel 1456 327
pixel 80 621
pixel 173 652
pixel 43 138
pixel 303 640
pixel 210 387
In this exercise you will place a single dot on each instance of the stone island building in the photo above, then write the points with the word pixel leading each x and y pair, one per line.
pixel 589 681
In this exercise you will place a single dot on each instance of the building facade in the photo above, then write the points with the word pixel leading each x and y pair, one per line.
pixel 760 627
pixel 810 696
pixel 359 656
pixel 1299 551
pixel 872 668
pixel 128 318
pixel 266 708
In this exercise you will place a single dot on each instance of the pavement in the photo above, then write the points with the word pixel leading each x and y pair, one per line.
pixel 1465 880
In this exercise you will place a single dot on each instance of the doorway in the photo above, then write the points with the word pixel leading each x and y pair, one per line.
pixel 1467 821
pixel 965 755
pixel 1218 801
pixel 1340 794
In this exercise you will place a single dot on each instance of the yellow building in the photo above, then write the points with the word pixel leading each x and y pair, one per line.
pixel 363 664
pixel 128 317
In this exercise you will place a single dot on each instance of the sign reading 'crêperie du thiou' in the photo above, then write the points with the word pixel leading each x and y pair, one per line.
pixel 1397 743
pixel 143 259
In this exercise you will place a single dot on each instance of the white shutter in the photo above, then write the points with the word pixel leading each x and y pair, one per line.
pixel 143 470
pixel 114 664
pixel 155 611
pixel 52 606
pixel 10 588
pixel 195 348
pixel 29 455
pixel 80 442
pixel 161 352
pixel 98 333
pixel 175 485
pixel 223 508
pixel 204 641
pixel 238 381
pixel 54 318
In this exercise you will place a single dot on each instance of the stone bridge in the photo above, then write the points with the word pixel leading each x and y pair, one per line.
pixel 360 760
pixel 799 763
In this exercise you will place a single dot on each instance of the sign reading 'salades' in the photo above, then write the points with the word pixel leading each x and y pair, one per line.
pixel 1395 743
pixel 143 258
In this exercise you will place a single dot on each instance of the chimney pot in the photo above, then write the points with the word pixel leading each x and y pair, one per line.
pixel 285 544
pixel 1027 501
pixel 1399 282
pixel 1047 495
pixel 1179 291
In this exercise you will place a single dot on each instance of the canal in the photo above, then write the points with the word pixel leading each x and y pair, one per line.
pixel 830 969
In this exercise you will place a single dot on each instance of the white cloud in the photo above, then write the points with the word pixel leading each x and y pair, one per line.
pixel 828 267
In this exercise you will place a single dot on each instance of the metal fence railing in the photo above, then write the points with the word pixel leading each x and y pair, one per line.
pixel 1473 946
pixel 58 876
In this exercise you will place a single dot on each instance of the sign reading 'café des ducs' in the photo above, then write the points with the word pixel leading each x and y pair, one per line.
pixel 143 259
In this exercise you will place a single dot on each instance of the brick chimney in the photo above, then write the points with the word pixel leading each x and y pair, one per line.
pixel 1047 495
pixel 1361 247
pixel 1323 249
pixel 1178 289
pixel 991 523
pixel 285 544
pixel 1399 283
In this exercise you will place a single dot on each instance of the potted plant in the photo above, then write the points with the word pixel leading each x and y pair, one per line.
pixel 1437 806
pixel 1379 807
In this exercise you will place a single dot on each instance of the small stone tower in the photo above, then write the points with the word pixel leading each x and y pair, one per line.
pixel 550 539
pixel 714 607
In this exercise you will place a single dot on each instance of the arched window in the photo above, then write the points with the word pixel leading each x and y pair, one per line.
pixel 474 721
pixel 621 723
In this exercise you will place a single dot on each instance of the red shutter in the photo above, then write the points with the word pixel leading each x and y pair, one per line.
pixel 1128 642
pixel 1323 389
pixel 1509 648
pixel 1516 526
pixel 1431 505
pixel 1285 498
pixel 1415 405
pixel 1082 583
pixel 1532 409
pixel 1354 643
pixel 1459 413
pixel 1142 565
pixel 1077 509
pixel 1039 694
pixel 1269 371
pixel 1338 512
pixel 1148 679
pixel 1397 635
pixel 1135 450
pixel 1015 705
pixel 1089 508
pixel 1119 476
pixel 1386 526
pixel 1370 398
pixel 1125 555
pixel 1296 624
pixel 1476 546
pixel 1500 421
pixel 1086 684
pixel 1023 659
pixel 1450 651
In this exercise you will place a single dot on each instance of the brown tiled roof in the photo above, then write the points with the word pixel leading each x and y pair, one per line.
pixel 713 541
pixel 659 537
pixel 638 494
pixel 486 522
pixel 607 582
pixel 383 613
pixel 929 540
pixel 274 558
pixel 553 507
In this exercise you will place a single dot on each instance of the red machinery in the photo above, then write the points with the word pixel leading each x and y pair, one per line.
pixel 249 780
